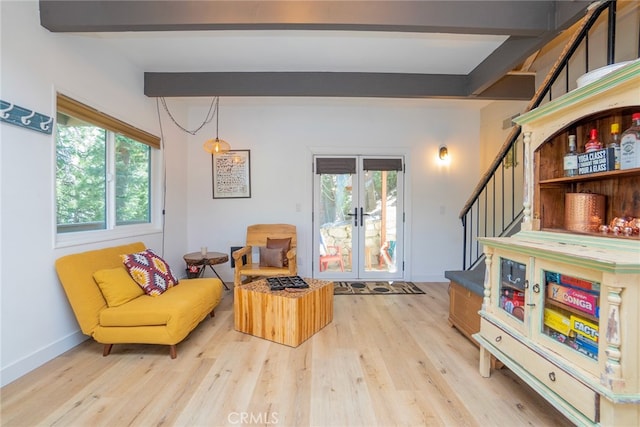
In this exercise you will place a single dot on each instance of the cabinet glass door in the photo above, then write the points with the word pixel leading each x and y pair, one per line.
pixel 513 282
pixel 572 311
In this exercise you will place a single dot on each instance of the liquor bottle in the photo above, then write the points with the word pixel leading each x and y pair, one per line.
pixel 593 144
pixel 614 142
pixel 630 145
pixel 571 158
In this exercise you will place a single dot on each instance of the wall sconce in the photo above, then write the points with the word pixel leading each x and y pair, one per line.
pixel 443 153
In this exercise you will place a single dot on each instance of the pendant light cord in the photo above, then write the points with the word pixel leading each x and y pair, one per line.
pixel 212 112
pixel 217 113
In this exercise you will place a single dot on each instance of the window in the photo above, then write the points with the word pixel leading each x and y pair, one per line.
pixel 103 170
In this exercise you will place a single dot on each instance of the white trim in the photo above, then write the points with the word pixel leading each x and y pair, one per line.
pixel 17 369
pixel 84 237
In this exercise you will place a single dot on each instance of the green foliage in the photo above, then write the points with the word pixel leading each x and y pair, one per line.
pixel 337 196
pixel 81 177
pixel 132 181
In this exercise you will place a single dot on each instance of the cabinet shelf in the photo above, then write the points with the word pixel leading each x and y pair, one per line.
pixel 591 177
pixel 512 286
pixel 585 233
pixel 582 314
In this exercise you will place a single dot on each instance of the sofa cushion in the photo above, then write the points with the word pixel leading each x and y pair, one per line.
pixel 271 257
pixel 181 306
pixel 284 245
pixel 150 271
pixel 117 286
pixel 75 272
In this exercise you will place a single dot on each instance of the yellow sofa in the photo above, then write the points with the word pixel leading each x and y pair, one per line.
pixel 165 319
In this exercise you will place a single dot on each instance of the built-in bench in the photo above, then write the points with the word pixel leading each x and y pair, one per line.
pixel 465 299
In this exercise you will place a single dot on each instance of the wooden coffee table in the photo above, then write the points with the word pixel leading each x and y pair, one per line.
pixel 284 317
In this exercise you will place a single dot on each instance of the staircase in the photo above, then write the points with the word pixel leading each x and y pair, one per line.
pixel 494 209
pixel 495 206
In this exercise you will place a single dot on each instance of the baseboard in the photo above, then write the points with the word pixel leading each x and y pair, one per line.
pixel 38 358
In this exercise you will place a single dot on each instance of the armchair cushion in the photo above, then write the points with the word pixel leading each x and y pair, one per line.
pixel 151 272
pixel 117 286
pixel 282 244
pixel 271 257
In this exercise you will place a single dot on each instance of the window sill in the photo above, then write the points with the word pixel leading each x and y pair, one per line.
pixel 85 237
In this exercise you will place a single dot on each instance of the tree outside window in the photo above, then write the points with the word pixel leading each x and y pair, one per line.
pixel 88 157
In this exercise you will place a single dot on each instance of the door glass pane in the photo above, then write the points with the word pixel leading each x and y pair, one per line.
pixel 336 222
pixel 572 311
pixel 513 276
pixel 379 218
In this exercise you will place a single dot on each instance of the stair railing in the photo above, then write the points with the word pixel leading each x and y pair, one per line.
pixel 495 205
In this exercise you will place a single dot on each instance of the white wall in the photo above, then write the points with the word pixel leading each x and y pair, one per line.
pixel 282 133
pixel 36 321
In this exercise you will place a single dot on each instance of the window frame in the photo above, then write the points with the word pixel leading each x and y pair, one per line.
pixel 69 106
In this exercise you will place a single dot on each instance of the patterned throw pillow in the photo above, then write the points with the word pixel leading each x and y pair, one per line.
pixel 151 272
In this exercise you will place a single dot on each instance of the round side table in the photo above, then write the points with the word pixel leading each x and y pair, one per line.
pixel 202 261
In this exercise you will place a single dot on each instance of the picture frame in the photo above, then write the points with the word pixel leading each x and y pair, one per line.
pixel 231 174
pixel 511 159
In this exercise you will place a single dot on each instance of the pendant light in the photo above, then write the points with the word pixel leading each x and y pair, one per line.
pixel 217 145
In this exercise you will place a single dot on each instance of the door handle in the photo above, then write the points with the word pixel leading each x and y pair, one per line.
pixel 355 216
pixel 362 214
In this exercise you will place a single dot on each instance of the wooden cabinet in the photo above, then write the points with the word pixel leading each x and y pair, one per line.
pixel 560 308
pixel 463 309
pixel 612 99
pixel 620 187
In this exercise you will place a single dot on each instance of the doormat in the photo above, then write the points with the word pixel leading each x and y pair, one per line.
pixel 375 288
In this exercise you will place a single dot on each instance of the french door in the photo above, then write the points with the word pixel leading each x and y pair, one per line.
pixel 358 217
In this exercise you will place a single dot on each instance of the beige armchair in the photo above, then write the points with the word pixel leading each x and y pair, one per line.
pixel 266 236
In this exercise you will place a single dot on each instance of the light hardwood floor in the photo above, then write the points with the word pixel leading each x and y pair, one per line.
pixel 383 361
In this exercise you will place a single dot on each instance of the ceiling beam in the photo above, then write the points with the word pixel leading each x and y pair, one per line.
pixel 383 85
pixel 522 17
pixel 511 87
pixel 330 84
pixel 516 49
pixel 501 61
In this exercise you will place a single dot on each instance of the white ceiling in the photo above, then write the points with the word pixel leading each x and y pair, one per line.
pixel 304 50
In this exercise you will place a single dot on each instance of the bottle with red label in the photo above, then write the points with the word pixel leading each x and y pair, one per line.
pixel 593 144
pixel 630 145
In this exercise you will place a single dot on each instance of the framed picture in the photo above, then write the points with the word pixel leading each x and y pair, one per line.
pixel 511 159
pixel 231 174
